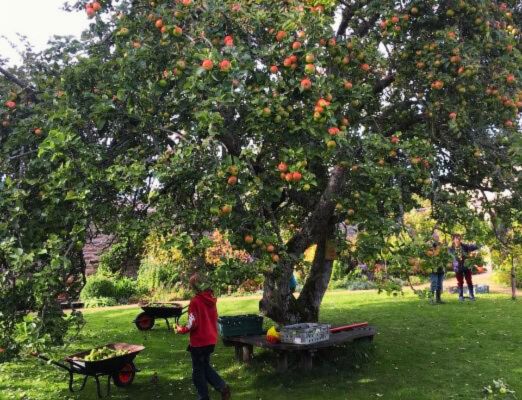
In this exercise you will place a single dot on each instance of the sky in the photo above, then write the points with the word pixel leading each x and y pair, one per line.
pixel 39 20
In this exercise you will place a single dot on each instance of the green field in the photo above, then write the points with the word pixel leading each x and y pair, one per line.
pixel 421 352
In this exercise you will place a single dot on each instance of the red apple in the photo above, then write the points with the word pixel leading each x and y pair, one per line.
pixel 280 36
pixel 207 64
pixel 232 180
pixel 306 84
pixel 452 115
pixel 229 41
pixel 282 167
pixel 438 85
pixel 274 69
pixel 178 31
pixel 296 176
pixel 226 209
pixel 159 23
pixel 333 131
pixel 249 239
pixel 225 66
pixel 10 104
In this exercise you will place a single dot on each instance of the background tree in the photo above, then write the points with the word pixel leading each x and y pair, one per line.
pixel 272 121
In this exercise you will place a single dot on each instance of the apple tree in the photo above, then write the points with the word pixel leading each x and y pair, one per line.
pixel 272 121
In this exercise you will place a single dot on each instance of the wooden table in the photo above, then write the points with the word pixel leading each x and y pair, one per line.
pixel 244 346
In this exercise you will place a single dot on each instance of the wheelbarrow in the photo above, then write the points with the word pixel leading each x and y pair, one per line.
pixel 120 369
pixel 145 320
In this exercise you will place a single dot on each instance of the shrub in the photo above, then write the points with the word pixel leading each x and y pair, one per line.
pixel 99 286
pixel 361 285
pixel 153 275
pixel 450 274
pixel 100 302
pixel 355 280
pixel 503 277
pixel 125 289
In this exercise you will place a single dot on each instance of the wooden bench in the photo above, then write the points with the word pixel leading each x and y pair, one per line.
pixel 244 346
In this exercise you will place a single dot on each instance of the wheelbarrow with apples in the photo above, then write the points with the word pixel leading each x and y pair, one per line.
pixel 117 365
pixel 152 311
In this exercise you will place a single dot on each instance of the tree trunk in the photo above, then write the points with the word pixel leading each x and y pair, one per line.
pixel 315 287
pixel 513 279
pixel 278 303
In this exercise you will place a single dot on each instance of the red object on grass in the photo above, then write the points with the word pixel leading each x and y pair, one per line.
pixel 348 327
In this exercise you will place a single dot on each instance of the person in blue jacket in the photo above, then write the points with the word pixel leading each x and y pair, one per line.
pixel 293 284
pixel 460 252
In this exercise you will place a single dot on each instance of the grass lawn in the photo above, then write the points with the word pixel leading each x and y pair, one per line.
pixel 421 352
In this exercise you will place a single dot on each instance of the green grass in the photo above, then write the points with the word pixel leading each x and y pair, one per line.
pixel 421 352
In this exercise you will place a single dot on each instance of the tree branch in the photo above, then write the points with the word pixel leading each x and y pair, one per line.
pixel 383 83
pixel 17 81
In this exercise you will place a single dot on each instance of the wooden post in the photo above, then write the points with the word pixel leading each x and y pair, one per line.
pixel 239 353
pixel 282 361
pixel 248 353
pixel 305 361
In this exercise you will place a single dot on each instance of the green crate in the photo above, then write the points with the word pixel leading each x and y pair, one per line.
pixel 240 325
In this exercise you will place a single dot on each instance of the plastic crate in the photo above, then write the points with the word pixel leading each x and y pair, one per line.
pixel 240 325
pixel 305 333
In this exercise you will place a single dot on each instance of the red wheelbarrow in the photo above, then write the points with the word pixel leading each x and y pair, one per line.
pixel 120 369
pixel 145 320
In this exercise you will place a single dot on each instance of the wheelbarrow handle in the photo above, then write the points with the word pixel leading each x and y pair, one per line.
pixel 47 359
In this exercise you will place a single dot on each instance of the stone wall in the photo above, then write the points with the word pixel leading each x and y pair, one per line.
pixel 93 250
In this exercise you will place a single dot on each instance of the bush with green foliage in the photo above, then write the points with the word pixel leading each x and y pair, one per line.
pixel 108 290
pixel 100 302
pixel 354 280
pixel 98 286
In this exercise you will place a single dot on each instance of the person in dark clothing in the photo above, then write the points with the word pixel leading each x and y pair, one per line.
pixel 460 253
pixel 293 284
pixel 202 326
pixel 437 276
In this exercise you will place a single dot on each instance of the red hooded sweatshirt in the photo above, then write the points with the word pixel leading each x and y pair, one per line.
pixel 202 320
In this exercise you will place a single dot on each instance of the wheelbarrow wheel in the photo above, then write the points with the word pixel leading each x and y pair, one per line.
pixel 125 376
pixel 144 322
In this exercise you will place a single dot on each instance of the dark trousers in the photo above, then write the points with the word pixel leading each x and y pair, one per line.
pixel 436 279
pixel 466 273
pixel 203 373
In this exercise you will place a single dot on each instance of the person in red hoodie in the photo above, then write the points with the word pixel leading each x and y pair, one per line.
pixel 202 326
